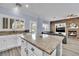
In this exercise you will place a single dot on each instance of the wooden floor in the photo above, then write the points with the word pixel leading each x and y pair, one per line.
pixel 71 48
pixel 11 52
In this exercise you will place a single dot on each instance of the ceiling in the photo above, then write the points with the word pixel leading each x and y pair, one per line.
pixel 51 11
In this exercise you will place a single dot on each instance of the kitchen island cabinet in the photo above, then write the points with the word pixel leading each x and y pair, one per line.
pixel 51 45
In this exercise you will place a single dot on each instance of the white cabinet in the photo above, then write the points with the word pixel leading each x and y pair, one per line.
pixel 8 23
pixel 7 42
pixel 30 53
pixel 27 49
pixel 34 50
pixel 11 23
pixel 54 53
pixel 24 51
pixel 5 23
pixel 1 23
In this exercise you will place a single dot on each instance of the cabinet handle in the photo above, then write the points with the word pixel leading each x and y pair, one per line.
pixel 32 49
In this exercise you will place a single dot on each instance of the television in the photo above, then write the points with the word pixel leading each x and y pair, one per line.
pixel 60 29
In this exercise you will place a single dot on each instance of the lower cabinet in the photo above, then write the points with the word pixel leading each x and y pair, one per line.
pixel 30 53
pixel 8 42
pixel 32 50
pixel 28 49
pixel 24 51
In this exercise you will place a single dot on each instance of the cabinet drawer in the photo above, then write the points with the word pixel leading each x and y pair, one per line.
pixel 34 49
pixel 30 53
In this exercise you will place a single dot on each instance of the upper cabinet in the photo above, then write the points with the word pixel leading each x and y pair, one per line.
pixel 11 23
pixel 18 24
pixel 5 23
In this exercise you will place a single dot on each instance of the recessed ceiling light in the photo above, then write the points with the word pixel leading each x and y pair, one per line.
pixel 27 5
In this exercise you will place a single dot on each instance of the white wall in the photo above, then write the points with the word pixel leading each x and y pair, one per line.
pixel 26 16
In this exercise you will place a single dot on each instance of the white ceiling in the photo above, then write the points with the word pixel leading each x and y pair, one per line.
pixel 49 10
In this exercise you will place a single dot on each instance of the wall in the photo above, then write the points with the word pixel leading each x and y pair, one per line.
pixel 11 12
pixel 26 16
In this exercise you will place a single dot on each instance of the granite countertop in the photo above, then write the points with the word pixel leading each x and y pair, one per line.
pixel 47 44
pixel 12 32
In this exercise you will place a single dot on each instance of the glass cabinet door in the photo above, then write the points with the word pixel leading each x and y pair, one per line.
pixel 18 24
pixel 11 23
pixel 1 24
pixel 5 23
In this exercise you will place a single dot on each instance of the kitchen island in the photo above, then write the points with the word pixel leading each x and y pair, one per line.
pixel 44 45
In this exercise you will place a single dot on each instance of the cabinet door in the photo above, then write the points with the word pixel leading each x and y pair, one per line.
pixel 30 53
pixel 7 42
pixel 11 23
pixel 12 41
pixel 3 44
pixel 1 23
pixel 34 50
pixel 5 23
pixel 24 51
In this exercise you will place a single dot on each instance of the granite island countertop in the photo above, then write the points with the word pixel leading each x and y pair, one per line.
pixel 47 44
